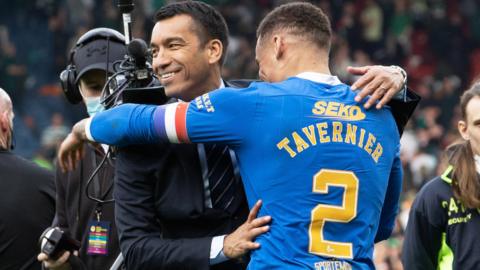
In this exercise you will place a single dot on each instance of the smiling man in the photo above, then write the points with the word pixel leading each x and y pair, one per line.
pixel 330 201
pixel 187 60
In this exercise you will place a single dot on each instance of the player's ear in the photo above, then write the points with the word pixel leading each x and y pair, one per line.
pixel 214 50
pixel 278 46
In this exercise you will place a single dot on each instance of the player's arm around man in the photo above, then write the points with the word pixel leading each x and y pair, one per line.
pixel 379 85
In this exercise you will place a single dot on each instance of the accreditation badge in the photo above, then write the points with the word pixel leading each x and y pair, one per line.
pixel 98 232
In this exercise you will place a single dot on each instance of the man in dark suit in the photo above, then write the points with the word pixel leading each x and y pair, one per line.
pixel 177 206
pixel 167 214
pixel 27 199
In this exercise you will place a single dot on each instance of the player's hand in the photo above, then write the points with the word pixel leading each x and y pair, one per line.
pixel 240 241
pixel 71 149
pixel 79 129
pixel 59 264
pixel 70 152
pixel 380 82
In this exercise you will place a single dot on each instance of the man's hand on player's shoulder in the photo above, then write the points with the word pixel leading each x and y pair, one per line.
pixel 382 83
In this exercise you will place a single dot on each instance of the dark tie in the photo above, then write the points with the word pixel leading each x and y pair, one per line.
pixel 221 176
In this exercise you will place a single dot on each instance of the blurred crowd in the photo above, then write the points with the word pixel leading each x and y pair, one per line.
pixel 435 41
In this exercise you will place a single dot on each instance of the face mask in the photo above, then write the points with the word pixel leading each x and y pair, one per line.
pixel 93 105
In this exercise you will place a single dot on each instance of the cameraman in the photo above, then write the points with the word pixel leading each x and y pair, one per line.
pixel 91 61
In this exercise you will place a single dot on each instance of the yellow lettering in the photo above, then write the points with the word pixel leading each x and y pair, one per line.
pixel 322 132
pixel 362 137
pixel 319 107
pixel 351 136
pixel 368 146
pixel 453 206
pixel 444 204
pixel 283 144
pixel 356 113
pixel 344 111
pixel 337 132
pixel 377 152
pixel 299 142
pixel 310 133
pixel 332 108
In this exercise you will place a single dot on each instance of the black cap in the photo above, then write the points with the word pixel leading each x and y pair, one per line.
pixel 93 55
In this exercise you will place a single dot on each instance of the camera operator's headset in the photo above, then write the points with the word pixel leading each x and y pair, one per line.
pixel 68 76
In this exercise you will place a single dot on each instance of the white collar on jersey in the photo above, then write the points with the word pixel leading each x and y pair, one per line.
pixel 477 162
pixel 319 78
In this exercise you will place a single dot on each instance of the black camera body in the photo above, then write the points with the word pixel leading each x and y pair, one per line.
pixel 134 80
pixel 54 241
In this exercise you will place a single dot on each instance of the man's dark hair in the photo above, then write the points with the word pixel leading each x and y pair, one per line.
pixel 301 19
pixel 209 23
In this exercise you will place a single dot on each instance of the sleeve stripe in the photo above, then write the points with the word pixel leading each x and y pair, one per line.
pixel 159 122
pixel 181 122
pixel 170 122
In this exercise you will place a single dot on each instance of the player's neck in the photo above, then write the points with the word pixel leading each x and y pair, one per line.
pixel 313 67
pixel 307 62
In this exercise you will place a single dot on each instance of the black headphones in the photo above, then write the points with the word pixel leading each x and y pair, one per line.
pixel 68 77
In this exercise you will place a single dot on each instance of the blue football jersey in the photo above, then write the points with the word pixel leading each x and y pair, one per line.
pixel 320 162
pixel 327 170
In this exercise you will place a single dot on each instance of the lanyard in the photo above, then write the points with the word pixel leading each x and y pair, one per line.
pixel 94 177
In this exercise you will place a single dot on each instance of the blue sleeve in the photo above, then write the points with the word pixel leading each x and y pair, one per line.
pixel 392 196
pixel 124 125
pixel 224 115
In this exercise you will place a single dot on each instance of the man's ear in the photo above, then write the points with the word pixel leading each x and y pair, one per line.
pixel 278 46
pixel 214 51
pixel 462 128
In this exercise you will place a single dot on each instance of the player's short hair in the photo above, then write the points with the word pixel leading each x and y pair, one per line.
pixel 300 19
pixel 209 23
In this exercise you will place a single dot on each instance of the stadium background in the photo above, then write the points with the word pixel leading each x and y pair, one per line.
pixel 437 42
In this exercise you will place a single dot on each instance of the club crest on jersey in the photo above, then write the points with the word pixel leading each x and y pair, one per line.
pixel 332 109
pixel 204 102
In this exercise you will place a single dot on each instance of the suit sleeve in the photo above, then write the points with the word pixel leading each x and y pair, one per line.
pixel 140 232
pixel 402 110
pixel 60 219
pixel 392 196
pixel 423 236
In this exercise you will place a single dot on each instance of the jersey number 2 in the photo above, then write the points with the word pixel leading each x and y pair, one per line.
pixel 330 213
